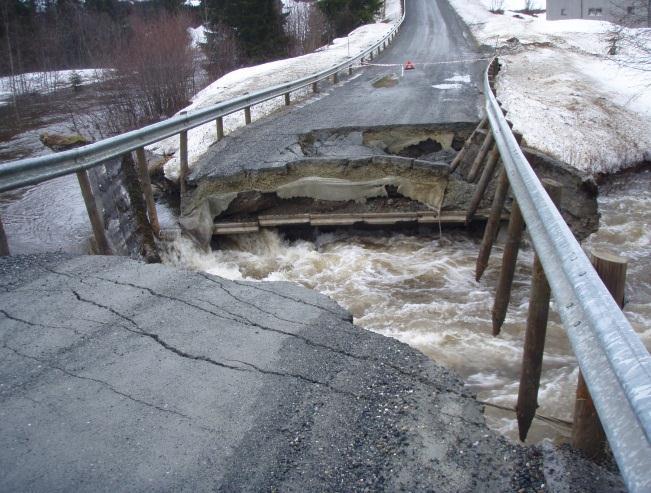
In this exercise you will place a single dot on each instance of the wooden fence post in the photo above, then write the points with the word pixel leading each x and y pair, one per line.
pixel 587 432
pixel 493 224
pixel 534 337
pixel 4 245
pixel 483 150
pixel 220 128
pixel 509 258
pixel 482 184
pixel 183 151
pixel 143 171
pixel 462 152
pixel 93 214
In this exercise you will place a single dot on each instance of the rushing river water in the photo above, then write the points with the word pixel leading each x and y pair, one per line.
pixel 421 290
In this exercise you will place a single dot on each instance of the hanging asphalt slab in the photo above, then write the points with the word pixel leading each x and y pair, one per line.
pixel 431 33
pixel 121 376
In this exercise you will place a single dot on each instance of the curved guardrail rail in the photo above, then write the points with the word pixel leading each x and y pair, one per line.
pixel 614 362
pixel 30 171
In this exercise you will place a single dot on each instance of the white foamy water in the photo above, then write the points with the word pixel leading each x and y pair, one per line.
pixel 421 290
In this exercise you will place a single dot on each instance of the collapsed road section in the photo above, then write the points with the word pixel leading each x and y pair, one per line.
pixel 379 176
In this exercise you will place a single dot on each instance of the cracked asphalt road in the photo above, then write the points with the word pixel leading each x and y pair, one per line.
pixel 444 87
pixel 117 375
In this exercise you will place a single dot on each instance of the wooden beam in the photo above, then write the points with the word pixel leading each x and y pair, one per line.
pixel 462 152
pixel 481 155
pixel 345 219
pixel 143 172
pixel 183 158
pixel 509 258
pixel 486 176
pixel 96 222
pixel 4 245
pixel 535 333
pixel 220 127
pixel 493 224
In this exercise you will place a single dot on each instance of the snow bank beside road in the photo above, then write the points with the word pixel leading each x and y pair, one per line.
pixel 563 92
pixel 250 79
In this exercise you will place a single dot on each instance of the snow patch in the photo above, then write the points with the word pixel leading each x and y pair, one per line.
pixel 562 91
pixel 447 86
pixel 459 78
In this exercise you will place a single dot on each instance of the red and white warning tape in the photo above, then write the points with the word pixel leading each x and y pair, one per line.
pixel 420 64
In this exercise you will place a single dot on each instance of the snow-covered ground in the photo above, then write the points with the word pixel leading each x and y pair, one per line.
pixel 564 93
pixel 250 79
pixel 46 82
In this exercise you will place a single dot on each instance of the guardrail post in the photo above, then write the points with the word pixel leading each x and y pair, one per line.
pixel 315 87
pixel 486 175
pixel 93 214
pixel 287 100
pixel 483 150
pixel 370 55
pixel 146 188
pixel 183 159
pixel 493 224
pixel 350 70
pixel 461 154
pixel 587 432
pixel 220 128
pixel 247 115
pixel 534 337
pixel 335 78
pixel 509 258
pixel 4 245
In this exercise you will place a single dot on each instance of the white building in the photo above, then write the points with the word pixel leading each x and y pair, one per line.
pixel 629 12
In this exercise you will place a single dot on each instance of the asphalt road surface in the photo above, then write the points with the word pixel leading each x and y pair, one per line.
pixel 444 87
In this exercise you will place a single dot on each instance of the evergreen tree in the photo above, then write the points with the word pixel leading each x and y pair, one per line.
pixel 347 15
pixel 258 26
pixel 110 7
pixel 172 6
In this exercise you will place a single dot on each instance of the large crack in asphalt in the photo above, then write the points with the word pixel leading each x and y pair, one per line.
pixel 37 324
pixel 103 383
pixel 197 357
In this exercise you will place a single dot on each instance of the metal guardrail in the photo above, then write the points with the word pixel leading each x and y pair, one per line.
pixel 614 362
pixel 30 171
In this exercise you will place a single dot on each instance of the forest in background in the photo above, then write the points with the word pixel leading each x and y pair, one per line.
pixel 146 47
